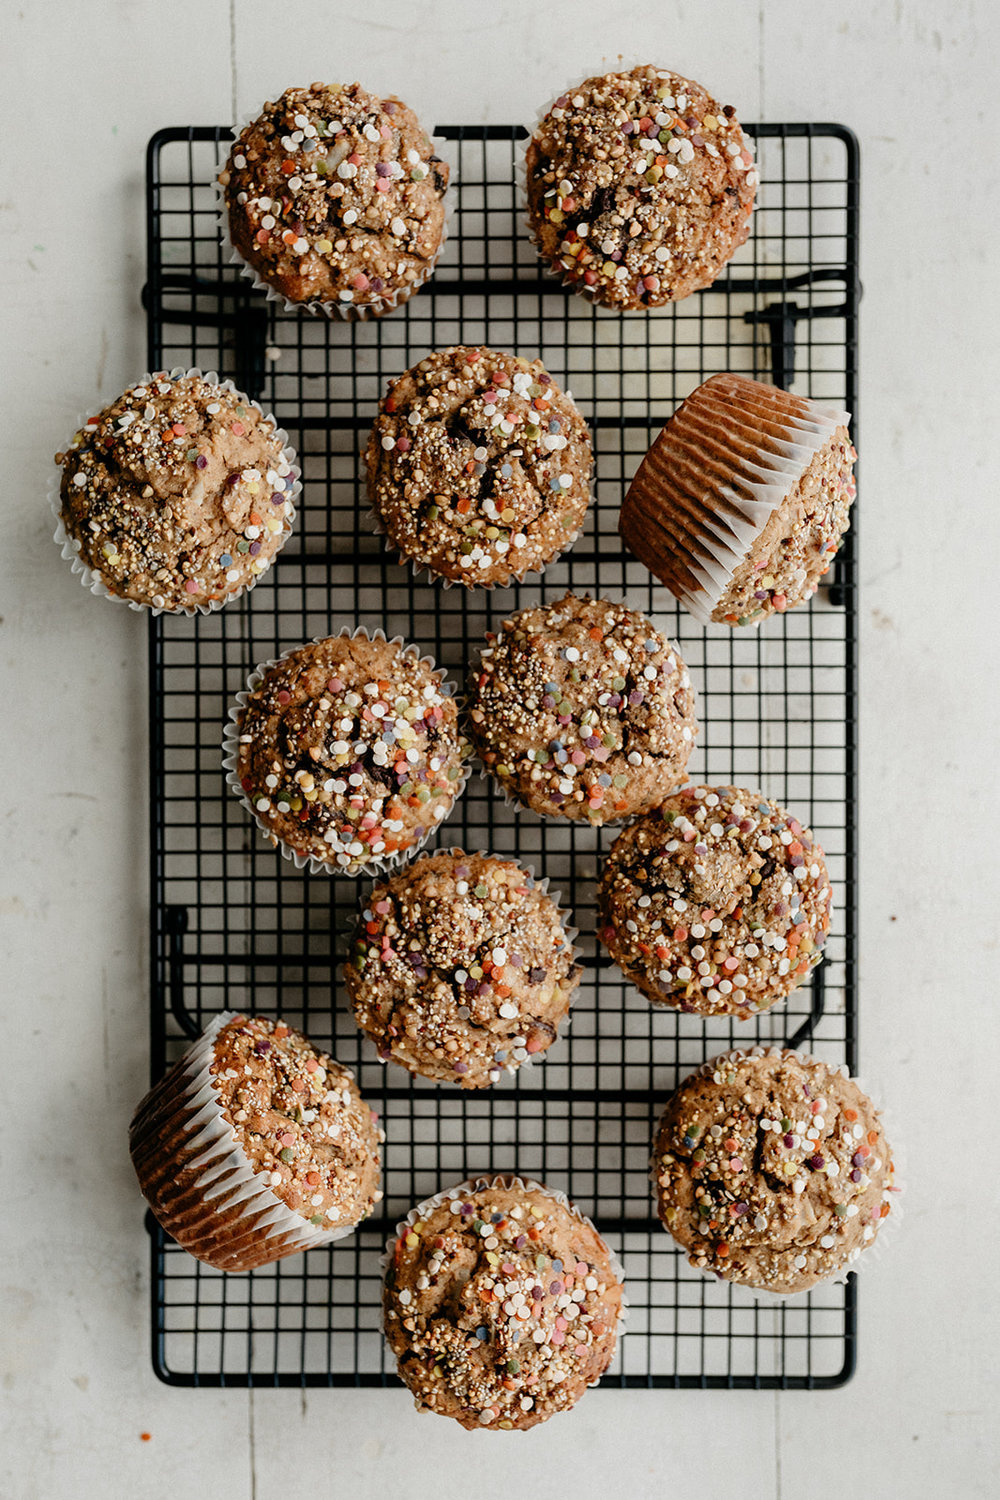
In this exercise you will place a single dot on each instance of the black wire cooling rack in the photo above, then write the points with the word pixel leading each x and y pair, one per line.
pixel 234 925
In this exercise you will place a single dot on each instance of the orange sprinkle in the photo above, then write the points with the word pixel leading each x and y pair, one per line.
pixel 850 1114
pixel 145 1436
pixel 312 1178
pixel 299 1085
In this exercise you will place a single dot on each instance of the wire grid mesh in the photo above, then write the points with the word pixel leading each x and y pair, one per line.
pixel 235 925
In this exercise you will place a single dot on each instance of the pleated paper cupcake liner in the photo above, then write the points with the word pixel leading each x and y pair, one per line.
pixel 198 1180
pixel 713 478
pixel 869 1254
pixel 570 933
pixel 230 747
pixel 91 578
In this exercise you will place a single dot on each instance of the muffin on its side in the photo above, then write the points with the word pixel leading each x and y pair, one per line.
pixel 640 187
pixel 718 902
pixel 582 709
pixel 461 968
pixel 336 197
pixel 502 1303
pixel 743 500
pixel 255 1145
pixel 179 494
pixel 347 751
pixel 479 466
pixel 772 1169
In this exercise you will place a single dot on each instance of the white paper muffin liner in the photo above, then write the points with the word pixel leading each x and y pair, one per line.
pixel 226 1178
pixel 91 578
pixel 230 749
pixel 570 933
pixel 624 65
pixel 867 1255
pixel 344 311
pixel 422 571
pixel 510 1180
pixel 558 820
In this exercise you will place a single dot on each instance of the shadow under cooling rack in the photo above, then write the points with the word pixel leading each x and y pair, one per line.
pixel 235 925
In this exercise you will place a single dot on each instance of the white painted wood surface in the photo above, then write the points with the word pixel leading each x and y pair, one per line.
pixel 83 88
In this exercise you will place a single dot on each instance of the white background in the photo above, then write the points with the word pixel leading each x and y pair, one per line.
pixel 84 85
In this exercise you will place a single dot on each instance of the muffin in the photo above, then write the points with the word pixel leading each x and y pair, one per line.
pixel 460 967
pixel 178 495
pixel 718 902
pixel 502 1303
pixel 582 709
pixel 772 1169
pixel 743 500
pixel 640 187
pixel 347 751
pixel 255 1145
pixel 335 197
pixel 479 466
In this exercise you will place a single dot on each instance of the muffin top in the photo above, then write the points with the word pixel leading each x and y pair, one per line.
pixel 640 187
pixel 460 968
pixel 479 466
pixel 349 750
pixel 582 709
pixel 717 902
pixel 299 1119
pixel 335 195
pixel 772 1169
pixel 178 494
pixel 501 1304
pixel 785 562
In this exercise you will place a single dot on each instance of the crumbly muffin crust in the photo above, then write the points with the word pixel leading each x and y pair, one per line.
pixel 299 1119
pixel 786 562
pixel 772 1169
pixel 582 709
pixel 501 1305
pixel 349 751
pixel 640 187
pixel 479 466
pixel 718 902
pixel 178 493
pixel 461 968
pixel 336 196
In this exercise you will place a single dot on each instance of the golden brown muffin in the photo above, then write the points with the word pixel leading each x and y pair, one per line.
pixel 336 197
pixel 582 709
pixel 502 1304
pixel 179 494
pixel 718 902
pixel 461 968
pixel 743 500
pixel 772 1169
pixel 348 751
pixel 479 466
pixel 640 187
pixel 255 1145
